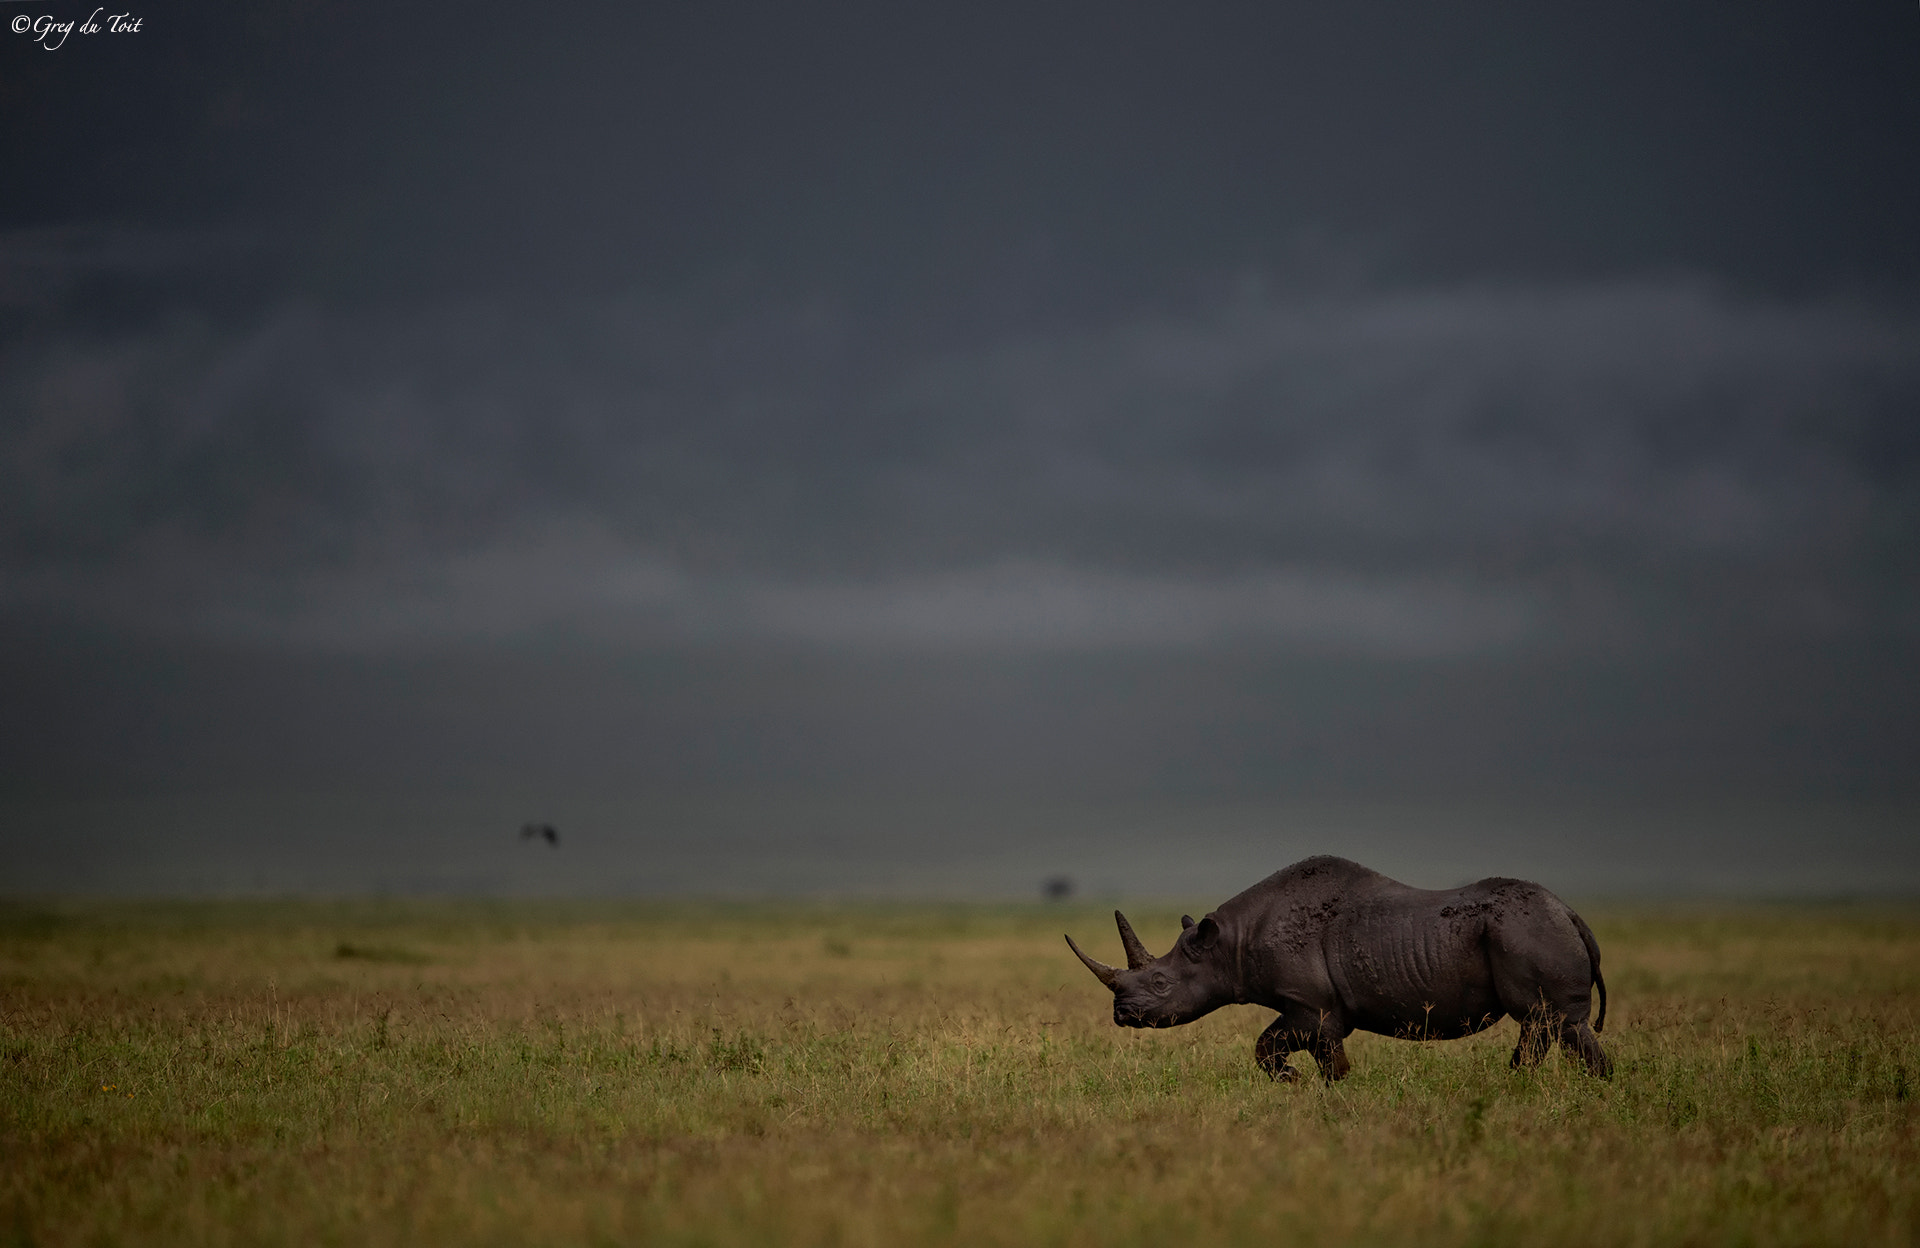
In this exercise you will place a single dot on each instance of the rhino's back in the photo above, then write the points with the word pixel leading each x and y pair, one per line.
pixel 1306 884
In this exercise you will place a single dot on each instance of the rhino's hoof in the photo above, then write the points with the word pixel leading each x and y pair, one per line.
pixel 1284 1074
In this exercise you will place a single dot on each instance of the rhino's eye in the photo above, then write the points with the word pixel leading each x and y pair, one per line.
pixel 1160 983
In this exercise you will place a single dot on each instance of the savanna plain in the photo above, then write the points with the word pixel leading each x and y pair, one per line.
pixel 542 1072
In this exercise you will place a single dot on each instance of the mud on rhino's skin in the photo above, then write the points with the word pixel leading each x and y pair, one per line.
pixel 1336 948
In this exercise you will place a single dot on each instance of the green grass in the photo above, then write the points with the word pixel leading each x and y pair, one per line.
pixel 408 1073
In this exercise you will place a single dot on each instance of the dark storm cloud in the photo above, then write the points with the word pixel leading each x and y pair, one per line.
pixel 591 412
pixel 1385 468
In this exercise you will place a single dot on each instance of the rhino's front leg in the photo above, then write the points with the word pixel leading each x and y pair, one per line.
pixel 1271 1049
pixel 1297 1029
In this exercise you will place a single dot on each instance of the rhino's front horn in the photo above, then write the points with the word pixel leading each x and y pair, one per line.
pixel 1104 973
pixel 1137 955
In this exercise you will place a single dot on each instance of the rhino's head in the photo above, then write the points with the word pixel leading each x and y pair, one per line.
pixel 1196 977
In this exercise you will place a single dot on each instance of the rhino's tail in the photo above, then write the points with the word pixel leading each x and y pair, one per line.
pixel 1593 959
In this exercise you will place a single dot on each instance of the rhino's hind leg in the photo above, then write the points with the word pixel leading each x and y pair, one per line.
pixel 1536 1037
pixel 1538 1031
pixel 1580 1041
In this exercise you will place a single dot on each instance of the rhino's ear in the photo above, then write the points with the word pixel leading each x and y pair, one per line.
pixel 1206 933
pixel 1186 921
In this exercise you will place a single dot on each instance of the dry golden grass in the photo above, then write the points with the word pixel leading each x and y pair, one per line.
pixel 406 1073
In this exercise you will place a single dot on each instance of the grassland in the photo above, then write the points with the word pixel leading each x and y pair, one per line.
pixel 412 1073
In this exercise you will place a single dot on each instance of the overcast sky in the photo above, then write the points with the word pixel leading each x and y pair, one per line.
pixel 1246 402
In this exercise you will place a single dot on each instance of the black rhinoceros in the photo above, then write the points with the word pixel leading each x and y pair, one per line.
pixel 1337 948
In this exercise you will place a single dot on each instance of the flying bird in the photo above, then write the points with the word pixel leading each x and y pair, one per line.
pixel 532 831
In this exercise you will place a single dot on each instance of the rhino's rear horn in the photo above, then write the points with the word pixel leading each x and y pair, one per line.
pixel 1137 955
pixel 1101 970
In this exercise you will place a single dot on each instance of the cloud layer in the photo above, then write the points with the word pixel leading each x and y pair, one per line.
pixel 1407 471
